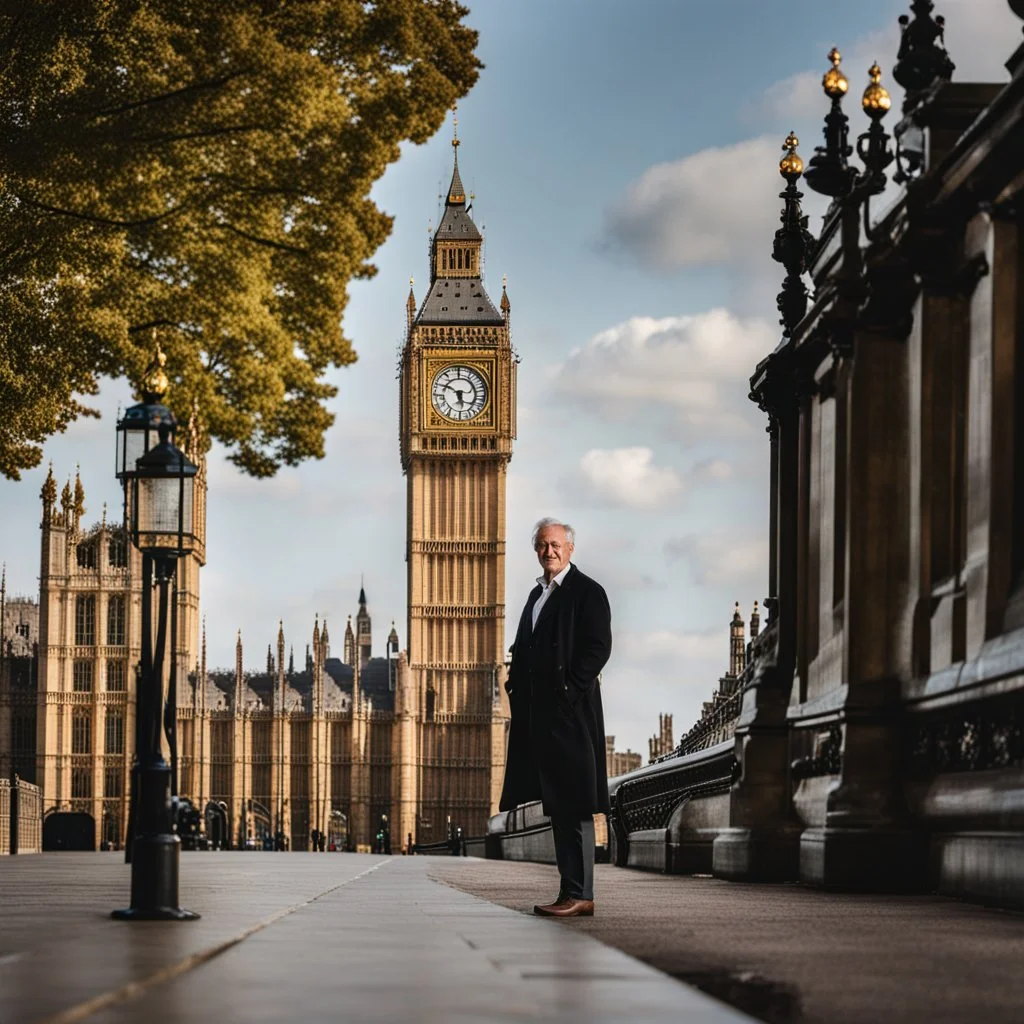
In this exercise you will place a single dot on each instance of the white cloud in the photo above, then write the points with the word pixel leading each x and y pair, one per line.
pixel 696 367
pixel 710 207
pixel 660 647
pixel 712 470
pixel 657 671
pixel 720 206
pixel 722 558
pixel 629 477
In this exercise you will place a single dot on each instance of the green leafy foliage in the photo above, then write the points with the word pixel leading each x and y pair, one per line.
pixel 203 168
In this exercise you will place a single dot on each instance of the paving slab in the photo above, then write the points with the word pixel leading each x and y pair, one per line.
pixel 317 937
pixel 787 953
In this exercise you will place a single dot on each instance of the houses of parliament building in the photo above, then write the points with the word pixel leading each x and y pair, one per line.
pixel 333 744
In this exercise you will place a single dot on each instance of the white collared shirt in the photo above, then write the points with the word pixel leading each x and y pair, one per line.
pixel 546 591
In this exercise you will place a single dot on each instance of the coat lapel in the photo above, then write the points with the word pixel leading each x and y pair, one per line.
pixel 526 619
pixel 555 599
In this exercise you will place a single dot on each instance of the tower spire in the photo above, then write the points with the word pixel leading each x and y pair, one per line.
pixel 238 670
pixel 364 635
pixel 410 304
pixel 48 494
pixel 456 190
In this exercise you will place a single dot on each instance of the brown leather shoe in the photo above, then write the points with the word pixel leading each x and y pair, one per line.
pixel 567 908
pixel 547 909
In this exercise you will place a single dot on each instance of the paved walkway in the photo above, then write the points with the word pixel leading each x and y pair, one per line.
pixel 308 938
pixel 785 953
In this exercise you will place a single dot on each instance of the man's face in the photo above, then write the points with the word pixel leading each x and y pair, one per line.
pixel 553 550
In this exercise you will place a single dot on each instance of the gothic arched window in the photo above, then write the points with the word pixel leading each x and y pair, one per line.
pixel 81 731
pixel 87 555
pixel 115 620
pixel 117 551
pixel 85 620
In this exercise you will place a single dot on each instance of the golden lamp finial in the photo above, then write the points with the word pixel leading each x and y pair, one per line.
pixel 791 166
pixel 155 381
pixel 876 100
pixel 455 126
pixel 834 82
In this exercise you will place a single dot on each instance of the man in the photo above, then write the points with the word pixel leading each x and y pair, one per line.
pixel 556 742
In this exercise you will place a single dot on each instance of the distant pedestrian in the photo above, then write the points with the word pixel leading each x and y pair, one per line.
pixel 556 743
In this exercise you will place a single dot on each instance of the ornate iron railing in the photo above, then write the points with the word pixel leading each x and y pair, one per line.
pixel 646 798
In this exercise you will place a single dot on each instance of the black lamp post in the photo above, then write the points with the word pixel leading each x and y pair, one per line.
pixel 160 501
pixel 138 431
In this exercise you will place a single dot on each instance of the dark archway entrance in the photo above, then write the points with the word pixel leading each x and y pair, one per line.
pixel 218 828
pixel 69 830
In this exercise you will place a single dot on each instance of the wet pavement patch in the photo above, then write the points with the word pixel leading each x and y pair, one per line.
pixel 771 1001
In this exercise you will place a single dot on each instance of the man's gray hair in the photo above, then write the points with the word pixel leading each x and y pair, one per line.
pixel 570 533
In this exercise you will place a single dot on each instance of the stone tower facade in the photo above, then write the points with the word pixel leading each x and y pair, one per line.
pixel 458 400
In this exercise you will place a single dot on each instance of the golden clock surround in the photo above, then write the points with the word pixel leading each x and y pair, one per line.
pixel 434 363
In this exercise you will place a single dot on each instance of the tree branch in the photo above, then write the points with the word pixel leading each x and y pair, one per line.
pixel 205 133
pixel 95 218
pixel 268 242
pixel 124 108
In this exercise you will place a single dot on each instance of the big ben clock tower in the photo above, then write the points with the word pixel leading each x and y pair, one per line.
pixel 457 425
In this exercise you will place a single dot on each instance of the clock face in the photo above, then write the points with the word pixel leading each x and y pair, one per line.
pixel 459 393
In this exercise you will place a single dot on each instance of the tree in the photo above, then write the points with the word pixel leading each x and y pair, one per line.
pixel 204 169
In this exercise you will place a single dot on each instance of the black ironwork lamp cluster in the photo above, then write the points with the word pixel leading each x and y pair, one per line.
pixel 922 64
pixel 160 518
pixel 793 242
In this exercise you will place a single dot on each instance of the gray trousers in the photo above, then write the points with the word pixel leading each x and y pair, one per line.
pixel 574 854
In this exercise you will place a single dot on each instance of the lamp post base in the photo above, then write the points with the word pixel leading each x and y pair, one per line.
pixel 154 914
pixel 155 881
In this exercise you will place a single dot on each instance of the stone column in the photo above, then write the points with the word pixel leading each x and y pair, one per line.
pixel 865 841
pixel 762 840
pixel 990 428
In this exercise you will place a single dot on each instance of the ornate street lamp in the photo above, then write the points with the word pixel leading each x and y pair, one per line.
pixel 139 428
pixel 160 502
pixel 138 431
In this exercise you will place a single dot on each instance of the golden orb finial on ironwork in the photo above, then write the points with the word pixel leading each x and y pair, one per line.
pixel 154 381
pixel 834 82
pixel 876 100
pixel 455 126
pixel 791 166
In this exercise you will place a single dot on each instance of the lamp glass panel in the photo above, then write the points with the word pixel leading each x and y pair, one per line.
pixel 133 446
pixel 159 500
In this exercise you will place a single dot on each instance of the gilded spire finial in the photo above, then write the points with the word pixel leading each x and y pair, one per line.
pixel 455 126
pixel 791 166
pixel 154 381
pixel 834 82
pixel 876 100
pixel 827 171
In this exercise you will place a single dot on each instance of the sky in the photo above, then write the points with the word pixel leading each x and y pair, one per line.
pixel 624 159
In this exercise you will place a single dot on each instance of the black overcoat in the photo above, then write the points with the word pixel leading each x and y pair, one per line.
pixel 556 748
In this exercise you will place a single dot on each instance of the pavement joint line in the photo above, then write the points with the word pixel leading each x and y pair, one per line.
pixel 134 989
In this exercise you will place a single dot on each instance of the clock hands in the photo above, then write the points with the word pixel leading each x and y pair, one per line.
pixel 459 393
